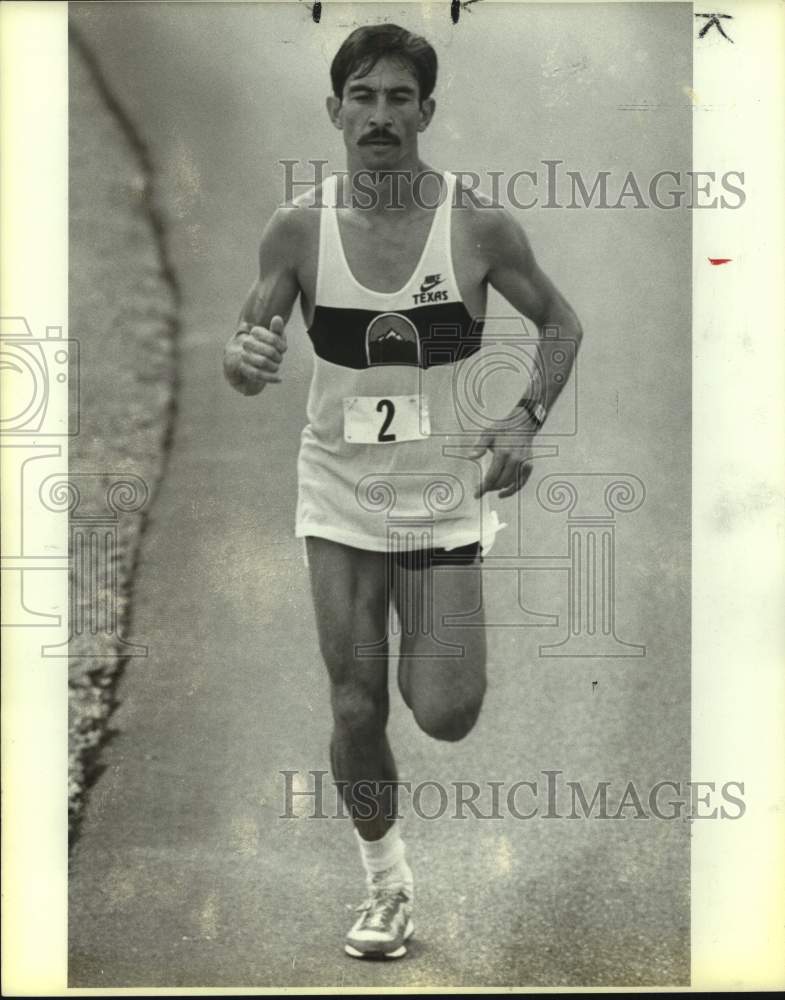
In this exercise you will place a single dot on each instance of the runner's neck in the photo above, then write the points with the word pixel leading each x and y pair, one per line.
pixel 404 190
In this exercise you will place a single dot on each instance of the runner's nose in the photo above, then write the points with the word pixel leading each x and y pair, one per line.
pixel 381 116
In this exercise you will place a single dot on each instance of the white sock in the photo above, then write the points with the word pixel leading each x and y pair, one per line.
pixel 387 852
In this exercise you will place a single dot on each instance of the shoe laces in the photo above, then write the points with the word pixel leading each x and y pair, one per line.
pixel 386 891
pixel 381 907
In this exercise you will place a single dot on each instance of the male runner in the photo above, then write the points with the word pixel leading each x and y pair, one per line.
pixel 392 499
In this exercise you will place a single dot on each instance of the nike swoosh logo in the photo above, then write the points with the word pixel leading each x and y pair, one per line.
pixel 426 286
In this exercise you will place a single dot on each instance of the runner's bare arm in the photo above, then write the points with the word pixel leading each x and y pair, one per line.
pixel 514 272
pixel 255 351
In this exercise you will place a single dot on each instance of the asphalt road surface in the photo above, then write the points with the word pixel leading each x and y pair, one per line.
pixel 185 874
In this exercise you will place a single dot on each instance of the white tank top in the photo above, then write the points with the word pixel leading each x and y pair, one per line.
pixel 382 461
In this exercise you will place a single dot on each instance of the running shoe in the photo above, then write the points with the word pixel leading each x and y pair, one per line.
pixel 385 923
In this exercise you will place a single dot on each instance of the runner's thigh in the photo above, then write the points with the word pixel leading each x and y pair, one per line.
pixel 350 596
pixel 442 666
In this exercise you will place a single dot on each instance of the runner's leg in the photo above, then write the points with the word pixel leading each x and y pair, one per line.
pixel 441 671
pixel 350 598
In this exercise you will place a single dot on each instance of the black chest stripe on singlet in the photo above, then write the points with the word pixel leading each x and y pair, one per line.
pixel 423 337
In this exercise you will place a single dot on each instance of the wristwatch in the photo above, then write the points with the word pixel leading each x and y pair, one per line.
pixel 536 411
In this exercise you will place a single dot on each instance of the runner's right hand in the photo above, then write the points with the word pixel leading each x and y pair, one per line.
pixel 252 358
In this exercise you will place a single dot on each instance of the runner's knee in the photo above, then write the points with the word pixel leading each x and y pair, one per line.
pixel 358 714
pixel 450 717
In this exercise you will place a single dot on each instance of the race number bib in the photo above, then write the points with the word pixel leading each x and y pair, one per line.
pixel 385 419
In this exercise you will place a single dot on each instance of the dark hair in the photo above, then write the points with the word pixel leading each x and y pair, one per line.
pixel 367 45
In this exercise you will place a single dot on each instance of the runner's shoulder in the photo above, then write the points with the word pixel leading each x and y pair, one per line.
pixel 491 228
pixel 294 225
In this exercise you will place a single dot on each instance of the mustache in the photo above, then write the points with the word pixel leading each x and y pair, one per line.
pixel 377 136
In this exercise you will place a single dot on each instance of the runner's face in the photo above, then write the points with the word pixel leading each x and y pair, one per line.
pixel 381 115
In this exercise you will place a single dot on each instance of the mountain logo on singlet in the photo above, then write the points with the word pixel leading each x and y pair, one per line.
pixel 391 339
pixel 427 294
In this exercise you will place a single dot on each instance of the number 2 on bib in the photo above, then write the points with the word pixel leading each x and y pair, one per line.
pixel 388 407
pixel 385 419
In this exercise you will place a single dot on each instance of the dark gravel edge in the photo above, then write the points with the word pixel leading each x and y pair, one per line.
pixel 91 705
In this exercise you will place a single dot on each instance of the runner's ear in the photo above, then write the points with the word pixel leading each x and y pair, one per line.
pixel 427 109
pixel 333 105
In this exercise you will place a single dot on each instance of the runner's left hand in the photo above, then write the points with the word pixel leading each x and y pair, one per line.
pixel 510 466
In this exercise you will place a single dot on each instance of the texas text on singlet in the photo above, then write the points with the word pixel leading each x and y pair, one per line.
pixel 382 462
